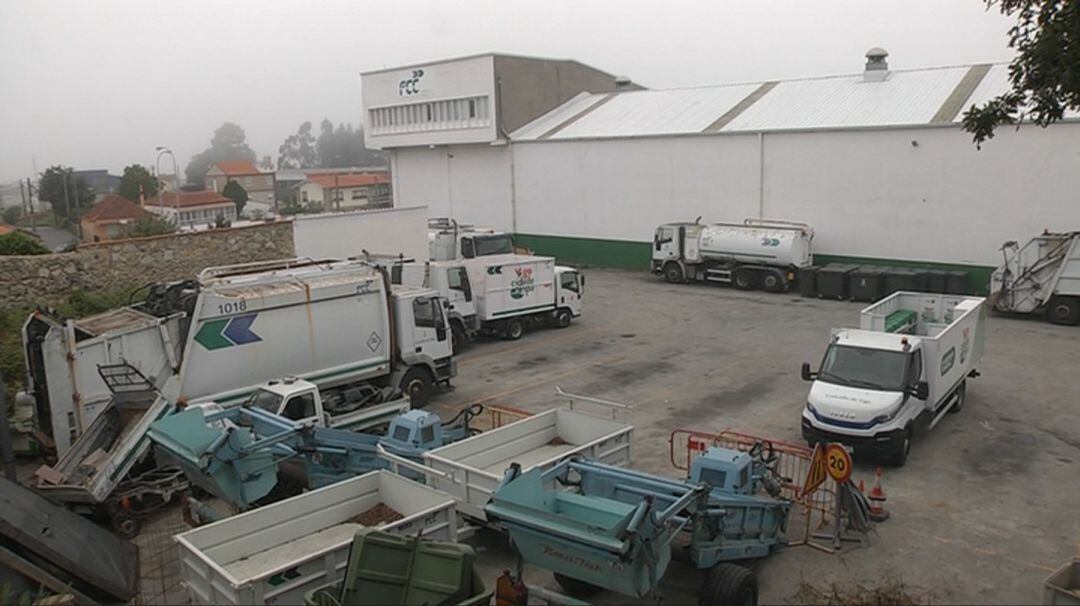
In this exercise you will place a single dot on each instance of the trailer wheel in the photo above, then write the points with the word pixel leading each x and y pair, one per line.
pixel 746 279
pixel 460 338
pixel 729 584
pixel 125 526
pixel 417 384
pixel 576 587
pixel 513 329
pixel 563 317
pixel 961 393
pixel 773 281
pixel 1064 310
pixel 673 273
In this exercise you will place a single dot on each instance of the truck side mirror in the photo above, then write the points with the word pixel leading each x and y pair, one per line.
pixel 806 374
pixel 922 390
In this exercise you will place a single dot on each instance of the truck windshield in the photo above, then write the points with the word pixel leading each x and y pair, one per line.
pixel 265 400
pixel 492 245
pixel 867 368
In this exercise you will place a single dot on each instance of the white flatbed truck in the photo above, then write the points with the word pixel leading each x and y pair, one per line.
pixel 897 375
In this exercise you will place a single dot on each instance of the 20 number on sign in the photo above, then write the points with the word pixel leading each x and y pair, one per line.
pixel 838 463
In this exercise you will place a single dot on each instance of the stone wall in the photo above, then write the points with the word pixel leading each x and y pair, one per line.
pixel 125 264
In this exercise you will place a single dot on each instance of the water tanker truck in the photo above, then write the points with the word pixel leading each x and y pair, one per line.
pixel 755 254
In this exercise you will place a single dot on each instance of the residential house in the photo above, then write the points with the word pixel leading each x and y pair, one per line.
pixel 346 191
pixel 192 208
pixel 110 219
pixel 258 184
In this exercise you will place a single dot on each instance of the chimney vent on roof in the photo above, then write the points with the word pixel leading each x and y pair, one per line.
pixel 877 68
pixel 623 83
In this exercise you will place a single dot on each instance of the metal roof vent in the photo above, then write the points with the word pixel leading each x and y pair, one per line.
pixel 877 68
pixel 623 83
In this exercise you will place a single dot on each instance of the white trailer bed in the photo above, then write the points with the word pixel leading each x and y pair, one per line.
pixel 274 554
pixel 470 470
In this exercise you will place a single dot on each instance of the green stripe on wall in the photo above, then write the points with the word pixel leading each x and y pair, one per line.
pixel 636 255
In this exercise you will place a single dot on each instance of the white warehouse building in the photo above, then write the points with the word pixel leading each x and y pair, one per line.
pixel 582 165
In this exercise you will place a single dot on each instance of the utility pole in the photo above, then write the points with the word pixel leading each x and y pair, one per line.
pixel 30 203
pixel 75 197
pixel 67 205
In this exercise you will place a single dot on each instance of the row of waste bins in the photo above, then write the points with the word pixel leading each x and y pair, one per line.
pixel 872 282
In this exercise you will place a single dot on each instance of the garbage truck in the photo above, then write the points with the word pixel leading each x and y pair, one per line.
pixel 499 295
pixel 897 375
pixel 337 324
pixel 448 240
pixel 334 323
pixel 757 254
pixel 1042 276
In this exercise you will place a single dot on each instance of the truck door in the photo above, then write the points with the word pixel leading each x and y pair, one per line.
pixel 664 245
pixel 459 291
pixel 430 329
pixel 570 292
pixel 300 407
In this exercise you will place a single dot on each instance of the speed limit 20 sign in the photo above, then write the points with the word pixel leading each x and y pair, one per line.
pixel 838 463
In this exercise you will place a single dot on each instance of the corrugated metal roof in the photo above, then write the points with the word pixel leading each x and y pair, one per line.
pixel 904 98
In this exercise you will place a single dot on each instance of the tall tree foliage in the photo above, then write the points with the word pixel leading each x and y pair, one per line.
pixel 54 182
pixel 298 150
pixel 344 146
pixel 137 178
pixel 229 143
pixel 1045 75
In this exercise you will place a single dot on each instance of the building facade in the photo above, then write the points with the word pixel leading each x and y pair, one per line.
pixel 189 209
pixel 345 191
pixel 110 219
pixel 259 185
pixel 876 161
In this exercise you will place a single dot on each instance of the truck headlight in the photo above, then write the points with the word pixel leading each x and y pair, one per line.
pixel 811 408
pixel 885 418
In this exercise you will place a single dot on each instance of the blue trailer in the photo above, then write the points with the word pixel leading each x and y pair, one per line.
pixel 598 526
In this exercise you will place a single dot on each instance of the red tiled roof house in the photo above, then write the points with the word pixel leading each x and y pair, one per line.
pixel 259 185
pixel 110 219
pixel 192 208
pixel 345 191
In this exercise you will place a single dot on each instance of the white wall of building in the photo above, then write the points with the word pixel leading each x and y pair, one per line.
pixel 470 183
pixel 339 235
pixel 430 103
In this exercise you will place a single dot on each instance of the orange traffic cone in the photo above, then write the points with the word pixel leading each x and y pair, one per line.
pixel 877 499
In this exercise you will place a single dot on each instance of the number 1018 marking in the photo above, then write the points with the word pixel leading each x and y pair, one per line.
pixel 232 307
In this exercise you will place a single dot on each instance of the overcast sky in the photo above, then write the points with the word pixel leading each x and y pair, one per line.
pixel 99 84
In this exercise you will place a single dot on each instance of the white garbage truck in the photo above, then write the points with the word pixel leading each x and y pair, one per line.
pixel 448 240
pixel 499 295
pixel 1040 276
pixel 338 324
pixel 755 254
pixel 895 376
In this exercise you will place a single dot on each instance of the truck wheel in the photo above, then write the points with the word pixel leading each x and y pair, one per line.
pixel 417 384
pixel 901 455
pixel 513 329
pixel 961 393
pixel 460 338
pixel 575 587
pixel 563 317
pixel 745 279
pixel 729 584
pixel 773 282
pixel 673 273
pixel 125 526
pixel 1064 310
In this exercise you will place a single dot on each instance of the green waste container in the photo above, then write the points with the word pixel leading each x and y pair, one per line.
pixel 387 569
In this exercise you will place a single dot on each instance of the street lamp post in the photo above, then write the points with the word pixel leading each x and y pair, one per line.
pixel 162 150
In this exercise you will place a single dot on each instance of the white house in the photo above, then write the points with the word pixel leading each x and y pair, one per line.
pixel 337 191
pixel 192 208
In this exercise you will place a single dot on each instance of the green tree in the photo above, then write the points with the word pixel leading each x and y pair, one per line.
pixel 228 143
pixel 12 214
pixel 67 194
pixel 344 146
pixel 298 151
pixel 235 192
pixel 137 178
pixel 150 225
pixel 18 243
pixel 1045 75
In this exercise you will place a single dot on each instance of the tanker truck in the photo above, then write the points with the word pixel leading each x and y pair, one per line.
pixel 758 253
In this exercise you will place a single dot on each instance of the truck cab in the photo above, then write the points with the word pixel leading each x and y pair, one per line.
pixel 295 399
pixel 448 240
pixel 423 340
pixel 569 289
pixel 669 244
